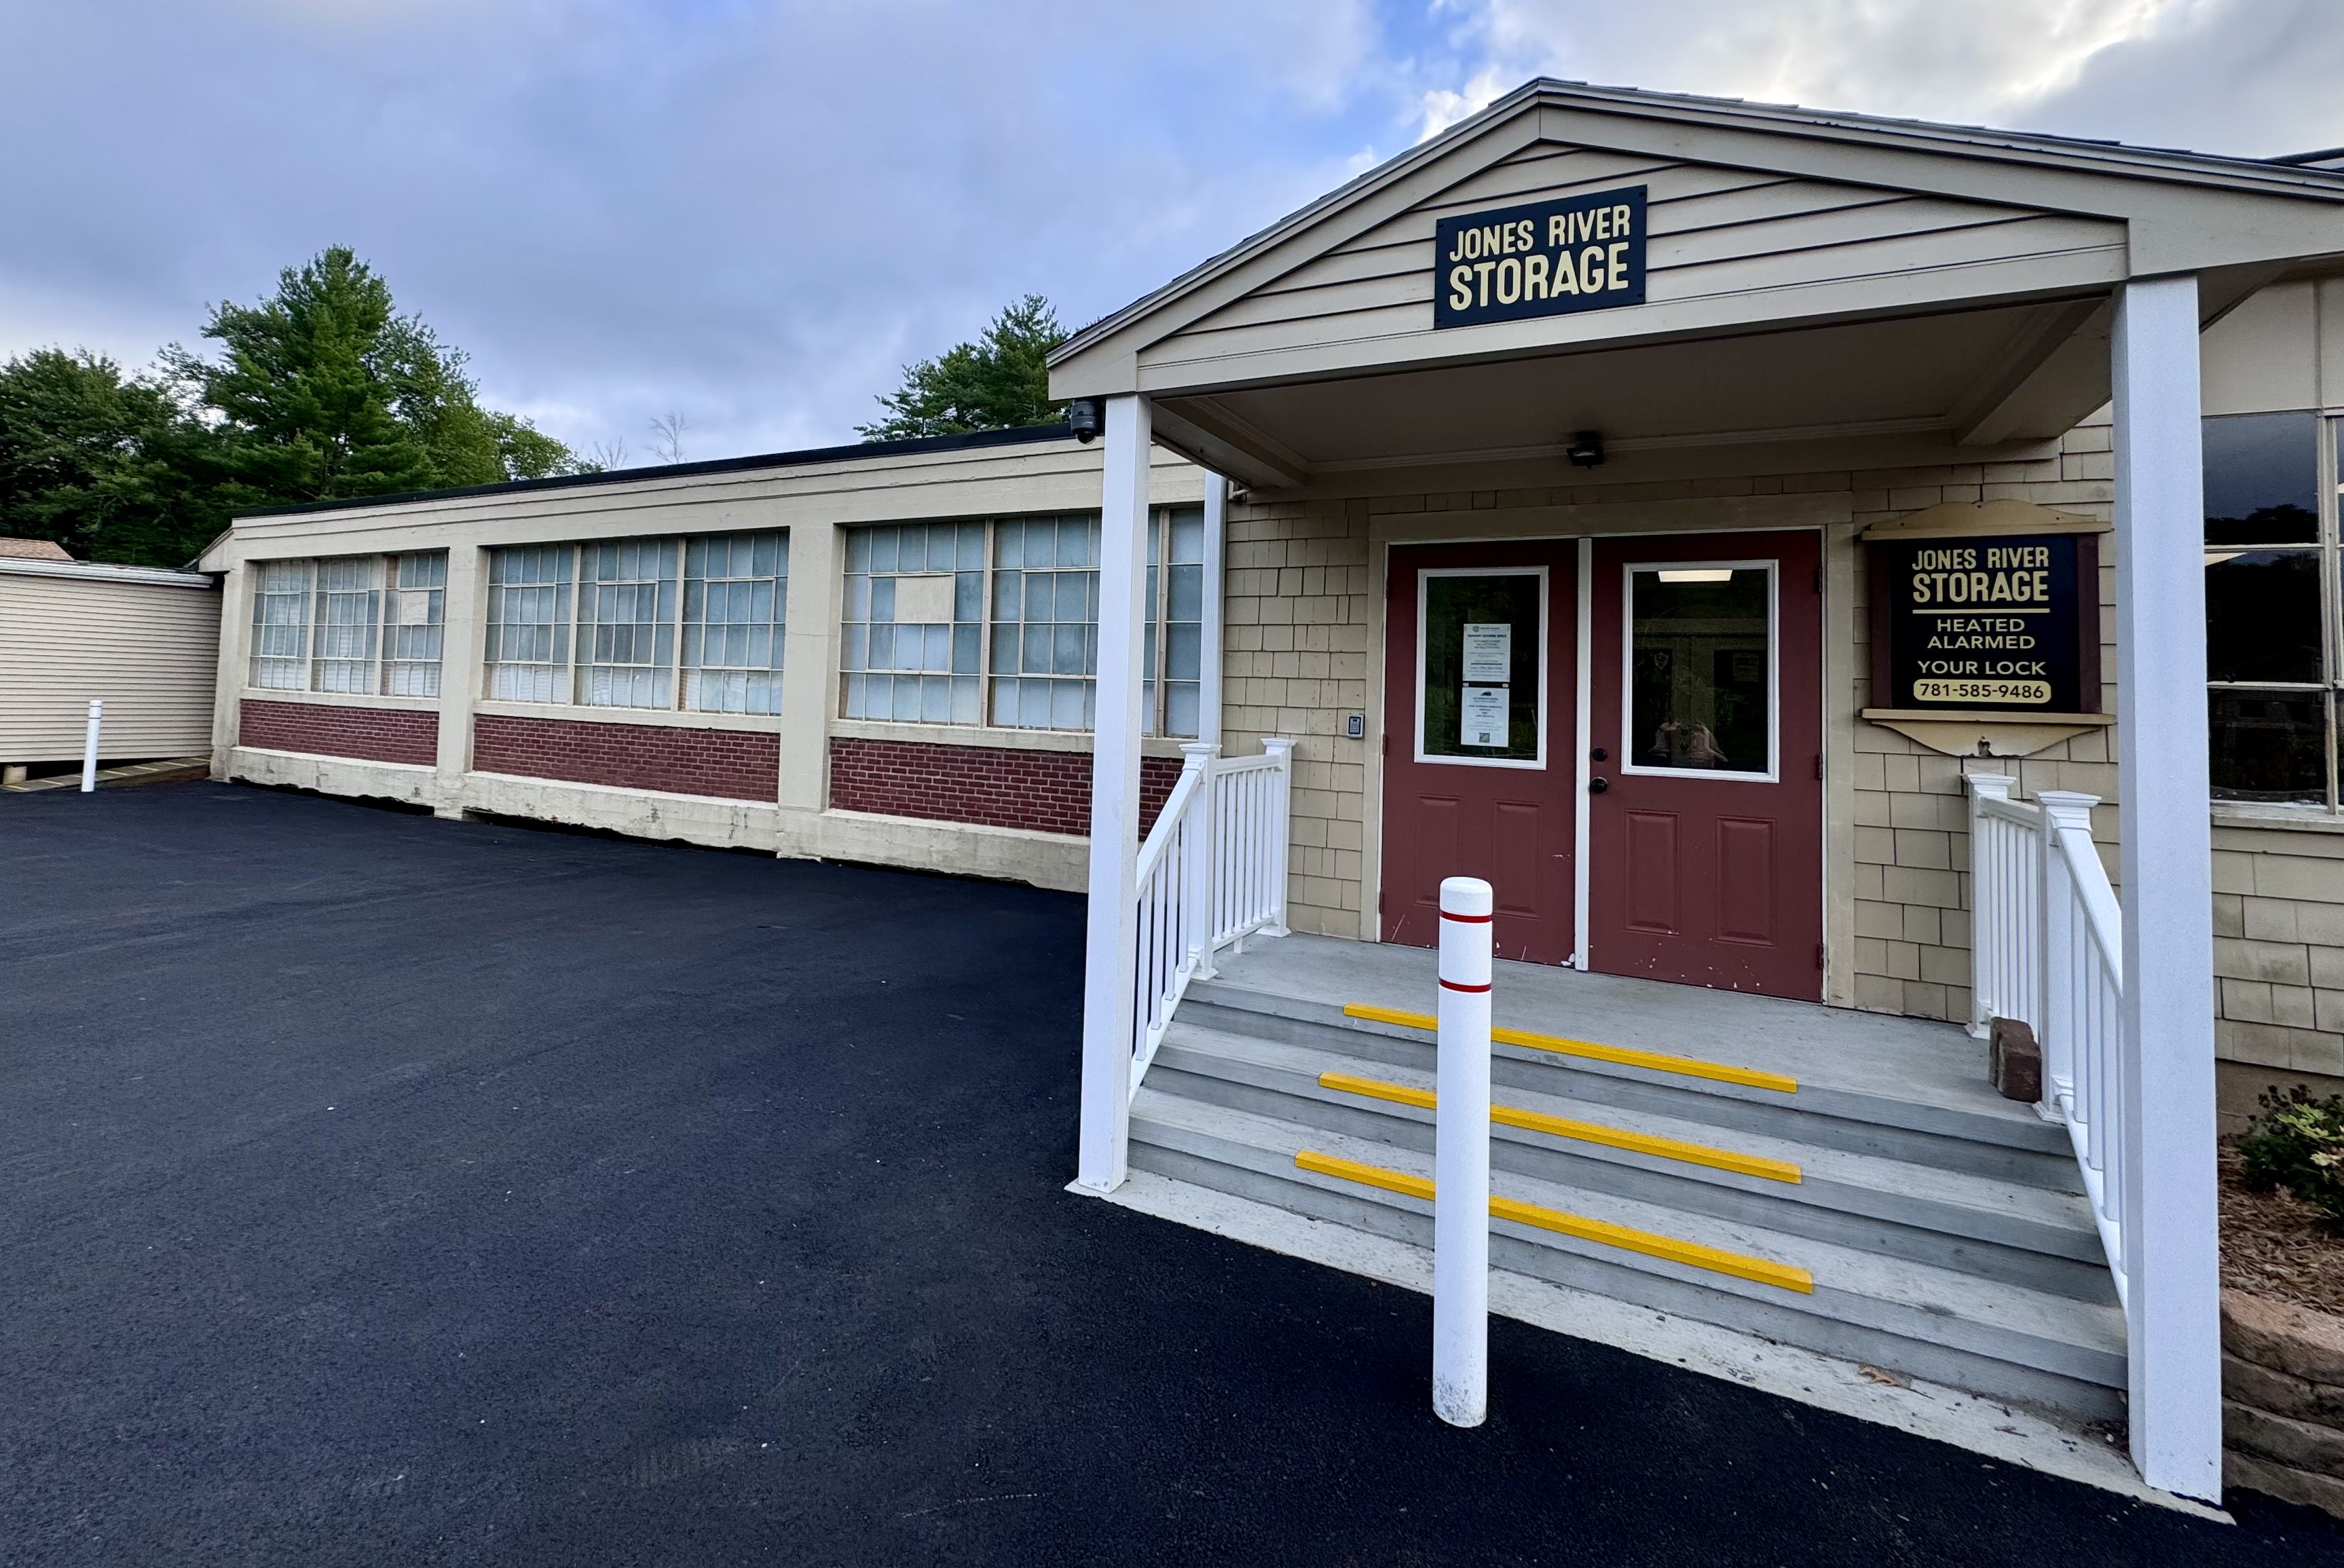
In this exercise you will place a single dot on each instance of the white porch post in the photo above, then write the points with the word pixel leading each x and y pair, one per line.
pixel 1209 653
pixel 2167 1105
pixel 1108 965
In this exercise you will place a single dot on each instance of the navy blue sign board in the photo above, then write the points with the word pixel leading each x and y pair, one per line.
pixel 1990 622
pixel 1545 258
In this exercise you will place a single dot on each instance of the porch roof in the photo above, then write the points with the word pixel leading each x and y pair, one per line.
pixel 1810 276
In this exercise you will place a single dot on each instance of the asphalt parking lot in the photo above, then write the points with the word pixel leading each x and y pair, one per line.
pixel 388 1191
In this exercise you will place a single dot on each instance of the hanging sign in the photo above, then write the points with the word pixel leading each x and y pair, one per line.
pixel 1544 259
pixel 1984 623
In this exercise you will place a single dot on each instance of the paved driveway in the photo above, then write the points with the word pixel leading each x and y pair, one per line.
pixel 387 1190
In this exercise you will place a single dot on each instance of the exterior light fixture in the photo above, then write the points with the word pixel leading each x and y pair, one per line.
pixel 1586 449
pixel 1700 574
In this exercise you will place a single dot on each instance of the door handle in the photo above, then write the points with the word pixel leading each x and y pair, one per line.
pixel 1597 786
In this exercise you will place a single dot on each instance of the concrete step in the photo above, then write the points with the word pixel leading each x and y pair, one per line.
pixel 1990 1137
pixel 2003 1340
pixel 1993 1228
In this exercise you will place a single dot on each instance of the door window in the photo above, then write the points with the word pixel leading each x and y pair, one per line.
pixel 1482 667
pixel 1700 675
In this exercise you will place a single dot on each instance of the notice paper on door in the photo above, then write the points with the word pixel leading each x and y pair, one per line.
pixel 1484 710
pixel 1489 653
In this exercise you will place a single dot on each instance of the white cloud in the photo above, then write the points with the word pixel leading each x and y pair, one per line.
pixel 755 211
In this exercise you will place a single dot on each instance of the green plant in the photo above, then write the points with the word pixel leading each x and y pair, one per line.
pixel 2298 1143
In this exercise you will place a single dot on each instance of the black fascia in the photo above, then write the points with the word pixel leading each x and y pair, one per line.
pixel 1024 435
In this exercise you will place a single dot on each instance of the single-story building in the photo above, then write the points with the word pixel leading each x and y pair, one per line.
pixel 1868 575
pixel 144 640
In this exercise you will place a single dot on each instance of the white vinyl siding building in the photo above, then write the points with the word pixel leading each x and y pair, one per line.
pixel 144 640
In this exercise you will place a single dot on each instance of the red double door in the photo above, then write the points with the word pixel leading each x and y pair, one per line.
pixel 1702 774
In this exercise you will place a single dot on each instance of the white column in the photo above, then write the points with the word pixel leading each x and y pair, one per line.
pixel 464 650
pixel 1208 669
pixel 2168 1103
pixel 1107 977
pixel 809 680
pixel 235 641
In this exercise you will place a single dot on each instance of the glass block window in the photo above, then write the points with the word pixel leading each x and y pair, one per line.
pixel 414 621
pixel 912 625
pixel 280 624
pixel 349 621
pixel 626 624
pixel 528 623
pixel 735 596
pixel 1176 622
pixel 2272 598
pixel 1046 623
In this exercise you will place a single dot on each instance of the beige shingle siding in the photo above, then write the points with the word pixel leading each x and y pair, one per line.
pixel 148 650
pixel 1297 647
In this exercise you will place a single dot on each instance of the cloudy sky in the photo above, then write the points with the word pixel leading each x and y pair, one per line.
pixel 752 212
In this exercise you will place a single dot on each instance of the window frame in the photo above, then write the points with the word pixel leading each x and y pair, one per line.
pixel 2328 551
pixel 1772 568
pixel 1546 697
pixel 382 574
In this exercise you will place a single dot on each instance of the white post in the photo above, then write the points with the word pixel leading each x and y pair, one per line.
pixel 1461 1194
pixel 1281 827
pixel 1988 949
pixel 2062 942
pixel 89 748
pixel 2167 1085
pixel 1209 635
pixel 1200 899
pixel 1108 960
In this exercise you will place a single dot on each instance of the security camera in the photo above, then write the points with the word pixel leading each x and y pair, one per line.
pixel 1083 419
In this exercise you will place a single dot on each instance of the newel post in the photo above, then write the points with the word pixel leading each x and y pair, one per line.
pixel 1282 833
pixel 1200 898
pixel 2063 945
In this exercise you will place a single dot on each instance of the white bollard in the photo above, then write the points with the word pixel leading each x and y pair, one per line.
pixel 1461 1204
pixel 89 750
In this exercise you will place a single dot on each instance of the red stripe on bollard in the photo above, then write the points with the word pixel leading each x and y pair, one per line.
pixel 1454 985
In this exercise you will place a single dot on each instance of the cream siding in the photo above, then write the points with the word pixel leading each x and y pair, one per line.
pixel 146 650
pixel 1716 234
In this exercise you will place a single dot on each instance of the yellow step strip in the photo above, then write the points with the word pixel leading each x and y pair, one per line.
pixel 1584 1131
pixel 1652 1061
pixel 1717 1259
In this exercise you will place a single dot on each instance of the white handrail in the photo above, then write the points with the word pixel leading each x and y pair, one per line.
pixel 2047 949
pixel 1211 873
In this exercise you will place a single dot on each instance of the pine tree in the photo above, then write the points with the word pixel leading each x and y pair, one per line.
pixel 1001 381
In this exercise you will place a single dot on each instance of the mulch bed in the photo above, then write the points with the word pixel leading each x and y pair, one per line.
pixel 2275 1247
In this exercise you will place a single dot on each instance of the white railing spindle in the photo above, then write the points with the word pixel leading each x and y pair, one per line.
pixel 1211 873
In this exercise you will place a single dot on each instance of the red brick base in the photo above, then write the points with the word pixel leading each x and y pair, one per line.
pixel 993 787
pixel 732 764
pixel 332 730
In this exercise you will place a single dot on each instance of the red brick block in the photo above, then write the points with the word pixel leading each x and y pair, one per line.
pixel 994 786
pixel 726 765
pixel 318 729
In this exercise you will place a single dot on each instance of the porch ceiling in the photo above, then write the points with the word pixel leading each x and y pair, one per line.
pixel 1973 379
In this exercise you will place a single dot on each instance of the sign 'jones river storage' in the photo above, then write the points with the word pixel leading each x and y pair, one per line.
pixel 1544 259
pixel 1989 621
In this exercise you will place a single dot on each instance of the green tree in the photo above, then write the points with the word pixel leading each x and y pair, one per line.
pixel 999 382
pixel 110 466
pixel 321 391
